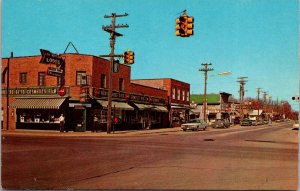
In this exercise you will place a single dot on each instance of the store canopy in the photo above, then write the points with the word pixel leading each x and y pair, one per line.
pixel 161 108
pixel 144 106
pixel 38 103
pixel 118 105
pixel 151 107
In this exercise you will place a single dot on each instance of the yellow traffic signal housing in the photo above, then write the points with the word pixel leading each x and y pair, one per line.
pixel 131 57
pixel 184 25
pixel 128 57
pixel 189 26
pixel 180 26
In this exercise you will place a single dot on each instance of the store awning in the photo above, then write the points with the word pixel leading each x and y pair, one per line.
pixel 119 105
pixel 180 107
pixel 143 106
pixel 151 107
pixel 38 103
pixel 161 108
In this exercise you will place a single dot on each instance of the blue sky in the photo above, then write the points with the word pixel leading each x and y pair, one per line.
pixel 253 38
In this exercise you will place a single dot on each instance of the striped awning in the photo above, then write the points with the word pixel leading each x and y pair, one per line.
pixel 143 106
pixel 119 105
pixel 161 108
pixel 38 103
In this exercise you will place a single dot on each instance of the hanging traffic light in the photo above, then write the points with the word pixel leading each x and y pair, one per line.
pixel 184 25
pixel 128 57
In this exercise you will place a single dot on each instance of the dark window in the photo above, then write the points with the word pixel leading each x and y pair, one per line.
pixel 23 78
pixel 103 81
pixel 42 79
pixel 121 84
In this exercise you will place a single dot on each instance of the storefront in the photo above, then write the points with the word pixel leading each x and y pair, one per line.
pixel 39 113
pixel 180 114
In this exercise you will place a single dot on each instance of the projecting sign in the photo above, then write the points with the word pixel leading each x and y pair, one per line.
pixel 50 58
pixel 54 72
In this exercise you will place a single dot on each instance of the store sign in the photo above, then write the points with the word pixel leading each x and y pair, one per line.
pixel 30 91
pixel 50 58
pixel 54 72
pixel 103 93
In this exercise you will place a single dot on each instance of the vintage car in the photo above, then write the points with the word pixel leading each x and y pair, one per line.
pixel 194 125
pixel 246 122
pixel 220 123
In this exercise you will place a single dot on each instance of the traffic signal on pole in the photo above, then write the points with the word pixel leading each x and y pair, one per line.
pixel 128 57
pixel 295 98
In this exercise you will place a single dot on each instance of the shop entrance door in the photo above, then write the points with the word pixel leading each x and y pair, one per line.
pixel 77 119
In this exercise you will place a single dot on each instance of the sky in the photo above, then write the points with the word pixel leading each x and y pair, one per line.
pixel 257 39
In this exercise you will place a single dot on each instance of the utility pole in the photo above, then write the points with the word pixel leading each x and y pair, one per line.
pixel 265 101
pixel 205 70
pixel 113 34
pixel 258 92
pixel 242 82
pixel 7 90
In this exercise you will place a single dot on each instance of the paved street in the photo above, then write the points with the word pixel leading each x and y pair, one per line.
pixel 261 157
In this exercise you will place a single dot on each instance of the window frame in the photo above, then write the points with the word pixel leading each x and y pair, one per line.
pixel 23 77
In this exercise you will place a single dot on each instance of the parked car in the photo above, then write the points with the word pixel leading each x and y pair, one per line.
pixel 259 122
pixel 246 122
pixel 194 124
pixel 220 123
pixel 296 125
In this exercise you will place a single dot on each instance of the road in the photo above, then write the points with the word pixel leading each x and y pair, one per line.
pixel 262 157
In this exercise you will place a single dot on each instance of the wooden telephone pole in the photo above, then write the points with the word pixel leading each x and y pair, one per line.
pixel 242 82
pixel 205 70
pixel 113 34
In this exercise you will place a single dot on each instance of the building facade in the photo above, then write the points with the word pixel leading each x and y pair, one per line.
pixel 218 106
pixel 33 98
pixel 178 97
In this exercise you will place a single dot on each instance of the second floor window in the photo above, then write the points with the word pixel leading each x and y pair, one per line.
pixel 103 81
pixel 178 94
pixel 42 79
pixel 121 84
pixel 173 93
pixel 183 95
pixel 23 78
pixel 81 78
pixel 187 96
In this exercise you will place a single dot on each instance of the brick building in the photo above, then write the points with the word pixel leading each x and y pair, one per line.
pixel 178 94
pixel 31 98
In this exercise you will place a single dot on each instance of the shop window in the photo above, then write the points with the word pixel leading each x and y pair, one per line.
pixel 23 78
pixel 41 79
pixel 121 84
pixel 81 78
pixel 103 81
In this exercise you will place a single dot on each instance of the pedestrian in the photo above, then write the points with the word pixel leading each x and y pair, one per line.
pixel 62 123
pixel 95 123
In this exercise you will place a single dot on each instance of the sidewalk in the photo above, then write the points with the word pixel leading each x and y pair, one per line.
pixel 52 133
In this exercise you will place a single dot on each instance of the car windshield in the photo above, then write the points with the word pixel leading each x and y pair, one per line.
pixel 195 121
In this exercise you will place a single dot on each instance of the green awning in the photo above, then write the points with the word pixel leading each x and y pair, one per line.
pixel 38 103
pixel 119 105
